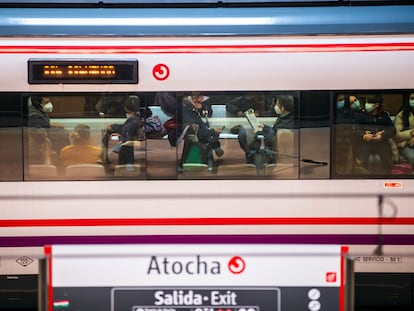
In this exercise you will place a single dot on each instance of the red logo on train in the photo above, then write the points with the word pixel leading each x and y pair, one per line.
pixel 161 72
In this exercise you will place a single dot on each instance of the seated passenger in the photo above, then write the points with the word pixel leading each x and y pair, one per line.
pixel 202 103
pixel 39 107
pixel 266 139
pixel 404 125
pixel 373 129
pixel 132 129
pixel 81 151
pixel 195 118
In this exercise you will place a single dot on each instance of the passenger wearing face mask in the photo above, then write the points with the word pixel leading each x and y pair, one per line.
pixel 373 130
pixel 343 111
pixel 283 106
pixel 348 108
pixel 355 104
pixel 39 107
pixel 404 124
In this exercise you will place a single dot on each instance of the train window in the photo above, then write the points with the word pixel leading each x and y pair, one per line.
pixel 208 135
pixel 186 135
pixel 370 137
pixel 84 136
pixel 239 135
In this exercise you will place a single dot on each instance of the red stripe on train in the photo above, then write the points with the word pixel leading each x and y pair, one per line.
pixel 260 48
pixel 204 221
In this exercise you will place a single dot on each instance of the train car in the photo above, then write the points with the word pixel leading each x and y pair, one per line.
pixel 208 85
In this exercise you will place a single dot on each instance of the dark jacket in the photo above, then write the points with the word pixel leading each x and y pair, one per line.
pixel 37 118
pixel 283 122
pixel 374 124
pixel 130 129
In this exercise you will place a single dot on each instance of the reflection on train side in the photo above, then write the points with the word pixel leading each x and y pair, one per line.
pixel 215 135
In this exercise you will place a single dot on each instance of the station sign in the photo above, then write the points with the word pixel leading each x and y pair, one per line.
pixel 202 277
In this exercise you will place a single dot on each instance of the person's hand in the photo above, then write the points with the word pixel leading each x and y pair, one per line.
pixel 368 136
pixel 193 138
pixel 410 142
pixel 378 136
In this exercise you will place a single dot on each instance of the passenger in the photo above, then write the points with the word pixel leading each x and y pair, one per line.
pixel 39 107
pixel 40 147
pixel 202 103
pixel 128 132
pixel 267 136
pixel 347 111
pixel 194 115
pixel 373 129
pixel 355 105
pixel 81 151
pixel 404 125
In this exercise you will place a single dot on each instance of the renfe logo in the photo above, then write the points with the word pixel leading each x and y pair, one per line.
pixel 164 265
pixel 236 265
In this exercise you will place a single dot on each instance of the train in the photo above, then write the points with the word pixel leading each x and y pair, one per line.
pixel 308 189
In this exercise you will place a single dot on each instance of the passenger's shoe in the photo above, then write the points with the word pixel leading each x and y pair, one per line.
pixel 219 152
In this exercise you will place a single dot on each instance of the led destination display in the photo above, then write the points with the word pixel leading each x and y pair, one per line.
pixel 54 71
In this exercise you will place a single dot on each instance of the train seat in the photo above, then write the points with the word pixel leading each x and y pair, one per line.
pixel 85 171
pixel 285 145
pixel 124 170
pixel 42 171
pixel 237 170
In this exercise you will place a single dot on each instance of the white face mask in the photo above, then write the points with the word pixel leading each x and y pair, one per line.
pixel 48 107
pixel 277 109
pixel 369 107
pixel 356 105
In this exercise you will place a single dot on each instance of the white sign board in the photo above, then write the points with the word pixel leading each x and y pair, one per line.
pixel 201 277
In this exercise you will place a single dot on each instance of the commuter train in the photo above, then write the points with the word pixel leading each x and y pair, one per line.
pixel 310 187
